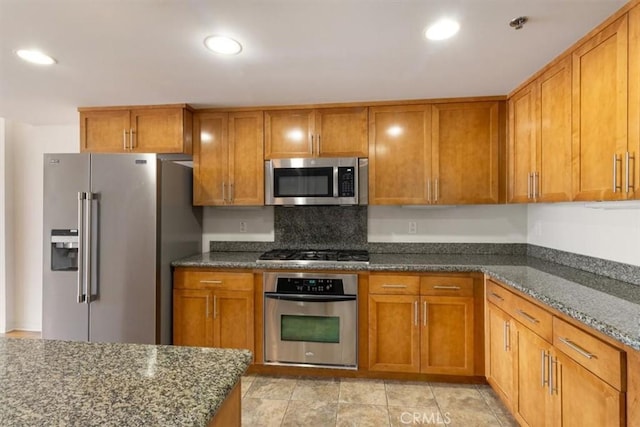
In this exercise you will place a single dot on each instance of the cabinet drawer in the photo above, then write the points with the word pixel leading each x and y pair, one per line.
pixel 446 286
pixel 394 284
pixel 602 359
pixel 533 317
pixel 213 280
pixel 498 295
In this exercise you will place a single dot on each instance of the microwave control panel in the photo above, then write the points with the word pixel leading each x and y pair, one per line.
pixel 346 182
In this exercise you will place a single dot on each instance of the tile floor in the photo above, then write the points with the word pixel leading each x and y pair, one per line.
pixel 290 401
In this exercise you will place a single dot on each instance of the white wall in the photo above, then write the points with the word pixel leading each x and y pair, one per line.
pixel 3 227
pixel 449 224
pixel 28 144
pixel 223 224
pixel 602 230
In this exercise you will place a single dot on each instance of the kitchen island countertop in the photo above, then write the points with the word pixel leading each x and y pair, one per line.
pixel 61 383
pixel 607 305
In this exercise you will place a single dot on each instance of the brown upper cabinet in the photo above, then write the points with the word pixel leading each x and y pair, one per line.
pixel 321 132
pixel 600 115
pixel 228 159
pixel 634 106
pixel 435 154
pixel 539 147
pixel 144 129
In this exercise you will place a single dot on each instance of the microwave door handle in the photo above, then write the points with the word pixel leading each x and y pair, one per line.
pixel 335 181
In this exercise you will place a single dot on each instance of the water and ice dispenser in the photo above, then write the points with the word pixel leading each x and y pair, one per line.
pixel 64 250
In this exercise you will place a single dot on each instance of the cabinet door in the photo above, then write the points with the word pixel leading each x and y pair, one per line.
pixel 446 335
pixel 192 318
pixel 501 354
pixel 104 131
pixel 158 130
pixel 583 399
pixel 233 319
pixel 634 104
pixel 534 400
pixel 342 132
pixel 246 161
pixel 600 114
pixel 465 143
pixel 288 134
pixel 399 155
pixel 210 159
pixel 553 152
pixel 394 334
pixel 521 145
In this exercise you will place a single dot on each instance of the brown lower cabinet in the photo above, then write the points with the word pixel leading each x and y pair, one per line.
pixel 548 371
pixel 213 309
pixel 414 328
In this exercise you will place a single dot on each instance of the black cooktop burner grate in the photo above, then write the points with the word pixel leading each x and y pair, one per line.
pixel 322 255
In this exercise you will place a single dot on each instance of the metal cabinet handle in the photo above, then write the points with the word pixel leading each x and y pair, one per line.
pixel 206 309
pixel 224 198
pixel 552 364
pixel 447 288
pixel 131 139
pixel 437 190
pixel 429 190
pixel 215 306
pixel 536 185
pixel 311 145
pixel 230 192
pixel 529 176
pixel 424 313
pixel 319 142
pixel 616 187
pixel 124 139
pixel 496 296
pixel 575 347
pixel 415 312
pixel 627 181
pixel 507 333
pixel 211 282
pixel 543 368
pixel 392 286
pixel 527 316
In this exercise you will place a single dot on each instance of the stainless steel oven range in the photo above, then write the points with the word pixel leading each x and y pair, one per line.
pixel 311 319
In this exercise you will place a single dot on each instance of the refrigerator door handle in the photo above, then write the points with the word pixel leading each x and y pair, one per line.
pixel 88 253
pixel 81 198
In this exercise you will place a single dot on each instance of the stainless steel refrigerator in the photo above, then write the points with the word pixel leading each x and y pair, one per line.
pixel 112 225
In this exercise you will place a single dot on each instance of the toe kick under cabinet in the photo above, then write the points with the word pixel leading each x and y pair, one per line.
pixel 423 324
pixel 213 308
pixel 548 371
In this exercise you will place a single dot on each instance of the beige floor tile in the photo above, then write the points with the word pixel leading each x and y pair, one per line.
pixel 245 384
pixel 412 395
pixel 459 397
pixel 470 418
pixel 357 415
pixel 492 400
pixel 317 390
pixel 263 412
pixel 405 416
pixel 370 392
pixel 507 420
pixel 303 413
pixel 272 388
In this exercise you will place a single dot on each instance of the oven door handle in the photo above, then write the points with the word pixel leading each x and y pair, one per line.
pixel 309 298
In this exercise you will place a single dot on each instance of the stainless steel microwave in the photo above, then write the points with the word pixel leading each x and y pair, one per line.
pixel 319 181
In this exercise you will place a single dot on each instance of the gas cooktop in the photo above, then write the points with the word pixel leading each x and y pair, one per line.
pixel 303 256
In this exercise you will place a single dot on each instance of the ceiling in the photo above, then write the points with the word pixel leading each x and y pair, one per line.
pixel 132 52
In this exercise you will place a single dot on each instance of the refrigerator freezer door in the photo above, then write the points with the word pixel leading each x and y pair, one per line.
pixel 123 306
pixel 63 317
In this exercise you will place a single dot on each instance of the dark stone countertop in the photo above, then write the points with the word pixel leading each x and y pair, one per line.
pixel 62 383
pixel 607 305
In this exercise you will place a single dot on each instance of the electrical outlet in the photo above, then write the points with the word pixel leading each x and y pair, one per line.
pixel 243 226
pixel 413 227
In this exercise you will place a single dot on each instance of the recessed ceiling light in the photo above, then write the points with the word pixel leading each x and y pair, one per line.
pixel 35 57
pixel 222 44
pixel 442 29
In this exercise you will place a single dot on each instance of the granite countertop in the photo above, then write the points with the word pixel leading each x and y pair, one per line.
pixel 607 305
pixel 61 383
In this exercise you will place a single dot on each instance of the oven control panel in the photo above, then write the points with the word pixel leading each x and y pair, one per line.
pixel 303 285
